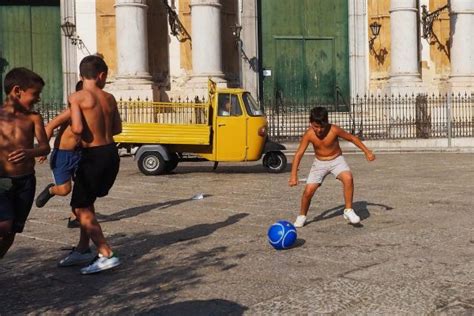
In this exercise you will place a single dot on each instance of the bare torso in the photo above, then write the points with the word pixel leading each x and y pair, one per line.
pixel 98 109
pixel 327 148
pixel 66 139
pixel 16 131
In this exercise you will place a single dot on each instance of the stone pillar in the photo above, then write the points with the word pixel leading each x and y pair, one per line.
pixel 133 78
pixel 206 40
pixel 404 71
pixel 461 78
pixel 358 47
pixel 249 35
pixel 69 52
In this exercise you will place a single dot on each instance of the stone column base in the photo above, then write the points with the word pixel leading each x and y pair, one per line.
pixel 141 89
pixel 461 84
pixel 405 85
pixel 198 83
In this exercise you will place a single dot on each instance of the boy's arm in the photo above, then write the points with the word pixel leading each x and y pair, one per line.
pixel 60 119
pixel 76 115
pixel 297 159
pixel 117 122
pixel 356 141
pixel 43 144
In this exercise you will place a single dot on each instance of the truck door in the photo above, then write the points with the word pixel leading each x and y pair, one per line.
pixel 231 129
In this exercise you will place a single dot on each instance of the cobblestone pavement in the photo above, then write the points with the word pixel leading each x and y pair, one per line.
pixel 412 254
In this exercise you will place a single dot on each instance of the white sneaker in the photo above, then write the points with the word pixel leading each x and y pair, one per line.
pixel 351 216
pixel 75 258
pixel 300 220
pixel 101 263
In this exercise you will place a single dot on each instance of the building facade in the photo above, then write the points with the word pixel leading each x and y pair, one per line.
pixel 286 51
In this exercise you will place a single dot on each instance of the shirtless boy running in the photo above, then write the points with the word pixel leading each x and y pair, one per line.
pixel 19 125
pixel 95 118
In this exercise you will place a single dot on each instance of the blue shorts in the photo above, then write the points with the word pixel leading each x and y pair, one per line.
pixel 64 164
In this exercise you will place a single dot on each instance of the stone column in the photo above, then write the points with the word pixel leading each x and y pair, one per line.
pixel 358 47
pixel 68 52
pixel 133 78
pixel 404 71
pixel 132 39
pixel 461 78
pixel 206 41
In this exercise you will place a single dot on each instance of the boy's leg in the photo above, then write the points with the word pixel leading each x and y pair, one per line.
pixel 308 194
pixel 348 186
pixel 5 244
pixel 105 259
pixel 61 189
pixel 72 221
pixel 6 236
pixel 90 228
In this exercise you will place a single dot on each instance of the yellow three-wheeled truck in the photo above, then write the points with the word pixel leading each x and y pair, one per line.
pixel 230 126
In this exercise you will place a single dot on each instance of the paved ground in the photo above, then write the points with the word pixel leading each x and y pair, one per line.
pixel 413 253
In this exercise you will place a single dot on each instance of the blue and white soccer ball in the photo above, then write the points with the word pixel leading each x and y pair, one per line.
pixel 282 235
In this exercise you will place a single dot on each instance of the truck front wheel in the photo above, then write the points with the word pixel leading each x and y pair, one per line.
pixel 151 163
pixel 275 161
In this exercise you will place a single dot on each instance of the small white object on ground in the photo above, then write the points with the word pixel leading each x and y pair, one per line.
pixel 198 196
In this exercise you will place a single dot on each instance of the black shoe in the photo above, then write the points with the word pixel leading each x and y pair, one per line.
pixel 44 196
pixel 73 223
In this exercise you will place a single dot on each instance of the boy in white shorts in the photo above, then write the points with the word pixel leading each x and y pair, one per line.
pixel 329 159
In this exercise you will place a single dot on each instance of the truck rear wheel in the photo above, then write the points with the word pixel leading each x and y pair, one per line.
pixel 274 161
pixel 151 163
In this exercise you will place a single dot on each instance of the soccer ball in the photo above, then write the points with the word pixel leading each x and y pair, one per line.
pixel 282 235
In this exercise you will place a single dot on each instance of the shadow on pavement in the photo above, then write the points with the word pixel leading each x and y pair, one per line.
pixel 142 282
pixel 231 169
pixel 360 207
pixel 198 308
pixel 135 211
pixel 142 243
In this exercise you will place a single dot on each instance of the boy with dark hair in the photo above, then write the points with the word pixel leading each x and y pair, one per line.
pixel 19 125
pixel 95 118
pixel 64 159
pixel 325 140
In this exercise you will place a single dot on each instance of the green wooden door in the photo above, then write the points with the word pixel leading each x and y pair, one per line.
pixel 30 36
pixel 305 51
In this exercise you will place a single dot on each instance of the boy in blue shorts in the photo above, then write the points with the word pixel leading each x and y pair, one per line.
pixel 64 160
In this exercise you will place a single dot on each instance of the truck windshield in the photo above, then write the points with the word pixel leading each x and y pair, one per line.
pixel 253 108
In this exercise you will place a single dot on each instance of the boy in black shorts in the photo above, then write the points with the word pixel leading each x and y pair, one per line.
pixel 19 125
pixel 95 118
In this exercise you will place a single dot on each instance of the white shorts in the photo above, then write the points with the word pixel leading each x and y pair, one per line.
pixel 321 168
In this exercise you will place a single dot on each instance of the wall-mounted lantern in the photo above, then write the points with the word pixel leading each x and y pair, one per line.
pixel 69 30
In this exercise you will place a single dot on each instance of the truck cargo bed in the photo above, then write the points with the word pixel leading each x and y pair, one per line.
pixel 155 133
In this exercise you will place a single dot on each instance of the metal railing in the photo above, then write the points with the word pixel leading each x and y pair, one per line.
pixel 49 110
pixel 369 117
pixel 164 112
pixel 382 117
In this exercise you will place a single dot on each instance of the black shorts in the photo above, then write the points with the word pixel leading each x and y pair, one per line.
pixel 16 198
pixel 95 174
